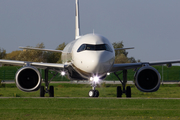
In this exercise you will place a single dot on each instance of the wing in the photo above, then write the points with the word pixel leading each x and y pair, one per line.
pixel 30 48
pixel 123 48
pixel 52 66
pixel 118 67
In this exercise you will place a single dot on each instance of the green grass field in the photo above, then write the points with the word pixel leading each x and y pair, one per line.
pixel 81 90
pixel 89 109
pixel 68 104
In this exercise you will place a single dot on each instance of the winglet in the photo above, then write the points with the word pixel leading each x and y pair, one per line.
pixel 77 21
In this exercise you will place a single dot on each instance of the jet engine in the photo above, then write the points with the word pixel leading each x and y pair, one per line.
pixel 147 79
pixel 28 79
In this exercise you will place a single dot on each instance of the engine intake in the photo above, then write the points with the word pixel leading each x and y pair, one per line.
pixel 147 79
pixel 28 79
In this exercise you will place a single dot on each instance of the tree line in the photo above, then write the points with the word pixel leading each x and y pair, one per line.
pixel 53 57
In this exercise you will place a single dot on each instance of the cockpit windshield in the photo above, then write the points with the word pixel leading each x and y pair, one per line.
pixel 90 47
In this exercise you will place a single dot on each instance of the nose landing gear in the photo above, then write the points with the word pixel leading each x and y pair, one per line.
pixel 93 92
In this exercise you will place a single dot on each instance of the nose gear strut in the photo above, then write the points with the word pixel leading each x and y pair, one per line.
pixel 93 92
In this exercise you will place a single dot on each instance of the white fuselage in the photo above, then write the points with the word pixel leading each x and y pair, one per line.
pixel 90 55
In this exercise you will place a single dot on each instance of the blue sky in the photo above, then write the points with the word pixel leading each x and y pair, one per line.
pixel 151 26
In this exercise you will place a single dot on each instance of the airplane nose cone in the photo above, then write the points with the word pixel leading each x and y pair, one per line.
pixel 98 62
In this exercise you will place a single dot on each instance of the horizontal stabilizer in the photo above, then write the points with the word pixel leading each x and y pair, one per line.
pixel 123 48
pixel 30 48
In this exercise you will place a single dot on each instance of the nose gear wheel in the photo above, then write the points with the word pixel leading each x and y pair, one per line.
pixel 93 93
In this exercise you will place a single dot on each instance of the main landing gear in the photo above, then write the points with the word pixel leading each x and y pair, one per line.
pixel 93 92
pixel 51 88
pixel 125 90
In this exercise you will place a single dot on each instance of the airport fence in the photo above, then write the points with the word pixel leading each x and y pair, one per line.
pixel 10 75
pixel 166 75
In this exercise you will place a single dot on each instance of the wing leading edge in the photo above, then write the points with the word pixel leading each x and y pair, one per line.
pixel 50 50
pixel 123 48
pixel 35 64
pixel 123 66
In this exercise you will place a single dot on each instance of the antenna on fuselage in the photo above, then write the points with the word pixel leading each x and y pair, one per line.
pixel 77 21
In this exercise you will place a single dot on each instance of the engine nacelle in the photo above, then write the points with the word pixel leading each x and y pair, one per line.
pixel 147 79
pixel 28 79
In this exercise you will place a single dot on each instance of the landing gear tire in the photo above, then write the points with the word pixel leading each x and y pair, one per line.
pixel 42 91
pixel 96 93
pixel 119 91
pixel 93 93
pixel 128 91
pixel 51 91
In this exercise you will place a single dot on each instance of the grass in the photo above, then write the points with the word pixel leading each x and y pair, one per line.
pixel 25 106
pixel 81 90
pixel 82 108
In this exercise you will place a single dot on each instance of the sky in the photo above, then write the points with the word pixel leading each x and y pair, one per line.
pixel 151 26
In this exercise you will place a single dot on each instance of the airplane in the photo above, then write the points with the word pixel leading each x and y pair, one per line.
pixel 88 57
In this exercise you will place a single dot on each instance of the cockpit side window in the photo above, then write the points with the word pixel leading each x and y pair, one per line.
pixel 108 48
pixel 99 47
pixel 81 48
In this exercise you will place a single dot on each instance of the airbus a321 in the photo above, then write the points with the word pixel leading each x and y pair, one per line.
pixel 88 57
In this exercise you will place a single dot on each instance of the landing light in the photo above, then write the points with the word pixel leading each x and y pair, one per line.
pixel 91 78
pixel 108 73
pixel 94 79
pixel 63 73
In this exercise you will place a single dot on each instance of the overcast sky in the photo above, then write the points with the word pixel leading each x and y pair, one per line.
pixel 151 26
